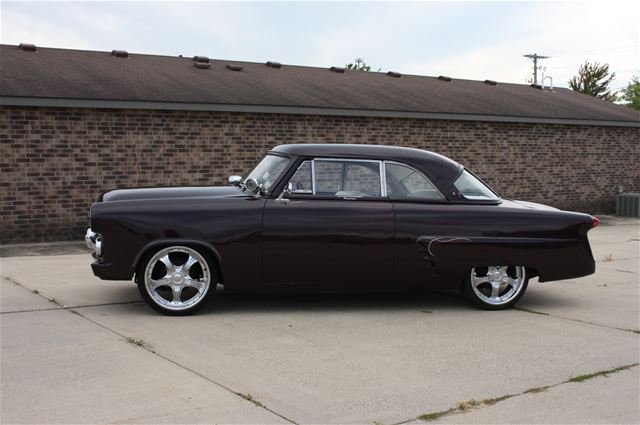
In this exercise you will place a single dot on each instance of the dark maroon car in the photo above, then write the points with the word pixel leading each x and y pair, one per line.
pixel 335 217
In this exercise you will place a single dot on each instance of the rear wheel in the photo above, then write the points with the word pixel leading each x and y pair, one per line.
pixel 496 287
pixel 176 280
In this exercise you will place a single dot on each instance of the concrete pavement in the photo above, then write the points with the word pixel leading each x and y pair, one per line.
pixel 82 350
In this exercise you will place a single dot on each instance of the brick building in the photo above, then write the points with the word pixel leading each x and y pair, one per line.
pixel 75 123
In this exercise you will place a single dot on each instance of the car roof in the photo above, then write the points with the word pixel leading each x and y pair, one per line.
pixel 440 169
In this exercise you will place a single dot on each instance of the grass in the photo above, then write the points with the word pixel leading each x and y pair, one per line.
pixel 464 406
pixel 588 376
pixel 433 416
pixel 138 343
pixel 250 398
pixel 536 390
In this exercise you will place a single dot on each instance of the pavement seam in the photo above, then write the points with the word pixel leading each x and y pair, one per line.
pixel 147 348
pixel 469 405
pixel 54 301
pixel 541 313
pixel 69 307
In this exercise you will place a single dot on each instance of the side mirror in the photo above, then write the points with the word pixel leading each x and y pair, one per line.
pixel 284 195
pixel 287 189
pixel 252 185
pixel 235 180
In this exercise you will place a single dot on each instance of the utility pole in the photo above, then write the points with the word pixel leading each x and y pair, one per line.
pixel 359 62
pixel 535 58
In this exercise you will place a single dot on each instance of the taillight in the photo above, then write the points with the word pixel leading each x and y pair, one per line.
pixel 594 222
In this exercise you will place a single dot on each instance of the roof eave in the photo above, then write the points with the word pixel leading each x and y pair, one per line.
pixel 295 110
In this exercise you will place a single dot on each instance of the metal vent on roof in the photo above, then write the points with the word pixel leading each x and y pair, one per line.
pixel 120 53
pixel 235 67
pixel 201 62
pixel 490 82
pixel 337 69
pixel 272 64
pixel 394 74
pixel 444 78
pixel 27 47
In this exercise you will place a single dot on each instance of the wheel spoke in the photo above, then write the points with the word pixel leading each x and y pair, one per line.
pixel 196 284
pixel 156 283
pixel 495 290
pixel 190 263
pixel 171 268
pixel 477 280
pixel 177 292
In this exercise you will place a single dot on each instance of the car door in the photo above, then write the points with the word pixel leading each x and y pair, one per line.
pixel 335 231
pixel 421 214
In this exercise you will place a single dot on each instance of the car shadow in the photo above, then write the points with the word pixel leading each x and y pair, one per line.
pixel 426 301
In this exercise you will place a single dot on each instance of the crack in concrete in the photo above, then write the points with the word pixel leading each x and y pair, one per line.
pixel 69 307
pixel 541 313
pixel 55 302
pixel 468 405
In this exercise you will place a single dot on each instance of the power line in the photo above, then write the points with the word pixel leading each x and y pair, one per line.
pixel 535 57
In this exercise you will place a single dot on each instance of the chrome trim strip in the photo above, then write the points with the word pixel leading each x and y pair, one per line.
pixel 294 110
pixel 383 179
pixel 313 176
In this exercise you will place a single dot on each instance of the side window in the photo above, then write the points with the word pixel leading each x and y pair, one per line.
pixel 301 180
pixel 328 177
pixel 347 179
pixel 404 182
pixel 363 179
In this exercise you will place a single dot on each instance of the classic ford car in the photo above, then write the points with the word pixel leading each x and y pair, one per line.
pixel 333 217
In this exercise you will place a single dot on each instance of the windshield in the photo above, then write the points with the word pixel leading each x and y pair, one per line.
pixel 469 187
pixel 268 171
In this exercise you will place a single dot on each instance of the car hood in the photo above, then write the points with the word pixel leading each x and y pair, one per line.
pixel 171 193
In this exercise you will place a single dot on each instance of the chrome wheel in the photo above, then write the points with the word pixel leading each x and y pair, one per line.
pixel 177 278
pixel 498 285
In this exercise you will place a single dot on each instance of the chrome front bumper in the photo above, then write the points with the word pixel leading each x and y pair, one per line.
pixel 94 242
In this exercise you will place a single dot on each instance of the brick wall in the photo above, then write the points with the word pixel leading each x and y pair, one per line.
pixel 55 161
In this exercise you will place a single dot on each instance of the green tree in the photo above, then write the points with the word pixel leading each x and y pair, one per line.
pixel 359 65
pixel 594 80
pixel 631 93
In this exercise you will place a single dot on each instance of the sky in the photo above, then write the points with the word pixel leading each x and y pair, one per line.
pixel 474 40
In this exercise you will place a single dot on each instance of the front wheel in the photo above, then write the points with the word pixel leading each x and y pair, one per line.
pixel 176 280
pixel 495 287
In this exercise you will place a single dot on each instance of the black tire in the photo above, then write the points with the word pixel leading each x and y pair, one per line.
pixel 203 271
pixel 484 302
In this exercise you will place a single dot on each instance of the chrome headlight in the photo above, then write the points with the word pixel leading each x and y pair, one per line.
pixel 94 242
